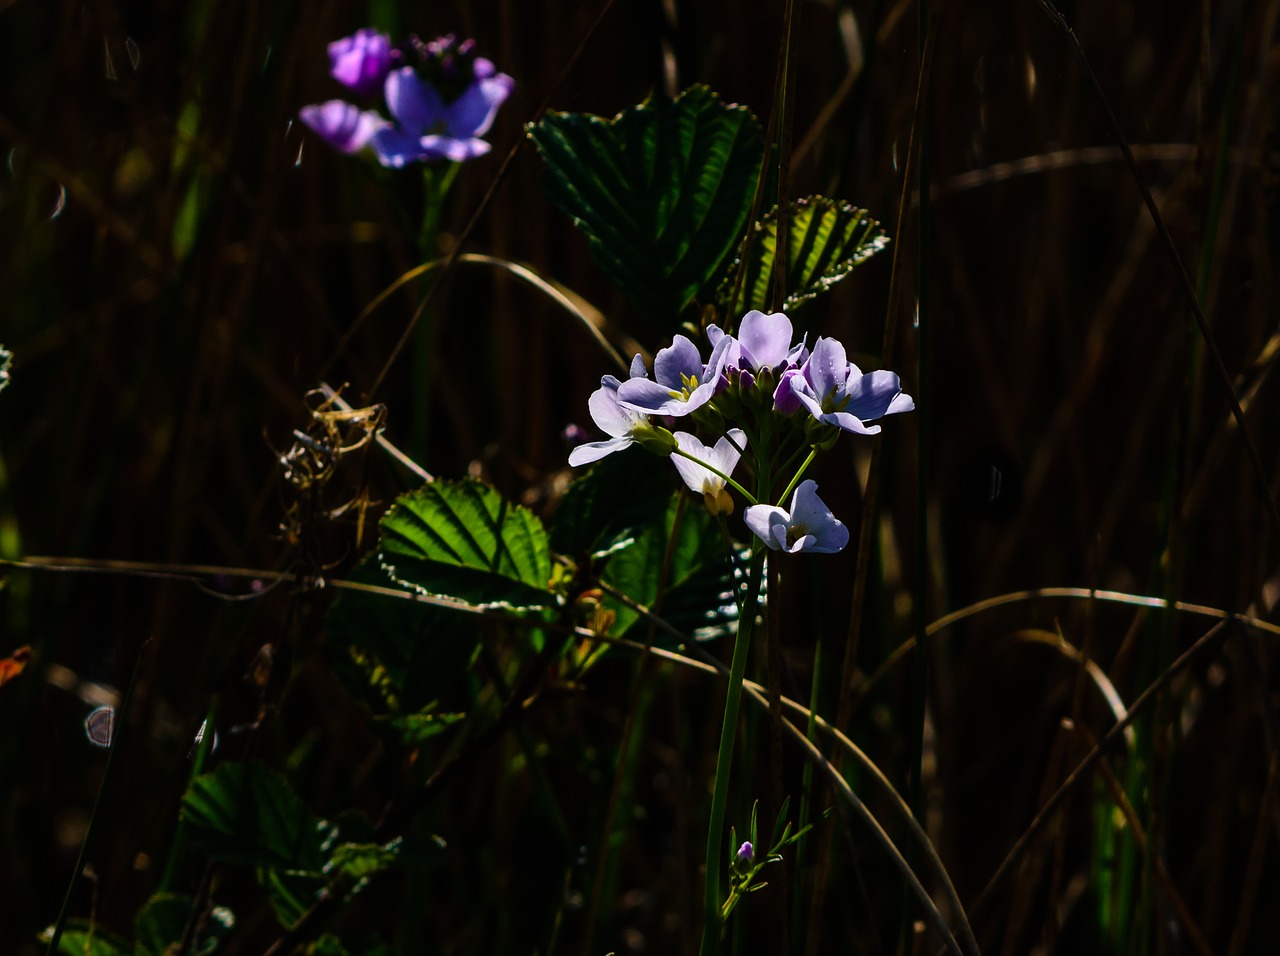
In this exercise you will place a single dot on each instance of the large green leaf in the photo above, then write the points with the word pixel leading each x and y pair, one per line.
pixel 662 192
pixel 826 239
pixel 163 921
pixel 245 813
pixel 464 540
pixel 398 655
pixel 617 499
pixel 698 580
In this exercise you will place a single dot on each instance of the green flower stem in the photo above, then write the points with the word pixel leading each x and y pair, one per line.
pixel 436 182
pixel 712 921
pixel 718 473
pixel 795 479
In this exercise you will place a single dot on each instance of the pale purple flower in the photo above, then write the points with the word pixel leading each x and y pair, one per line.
pixel 808 526
pixel 746 854
pixel 723 457
pixel 361 61
pixel 428 128
pixel 623 425
pixel 681 382
pixel 343 126
pixel 763 341
pixel 837 392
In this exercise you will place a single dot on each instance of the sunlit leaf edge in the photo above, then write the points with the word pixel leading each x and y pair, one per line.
pixel 827 239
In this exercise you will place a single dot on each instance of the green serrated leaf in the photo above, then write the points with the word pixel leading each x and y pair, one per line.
pixel 79 940
pixel 163 921
pixel 245 813
pixel 662 192
pixel 464 540
pixel 826 239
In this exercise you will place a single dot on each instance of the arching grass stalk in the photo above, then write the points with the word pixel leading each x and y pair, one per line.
pixel 712 921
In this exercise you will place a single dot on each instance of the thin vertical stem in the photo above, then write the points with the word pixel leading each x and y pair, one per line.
pixel 724 757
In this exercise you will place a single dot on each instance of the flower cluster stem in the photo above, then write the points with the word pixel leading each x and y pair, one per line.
pixel 712 921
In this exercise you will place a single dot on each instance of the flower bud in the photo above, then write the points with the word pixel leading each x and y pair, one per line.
pixel 657 440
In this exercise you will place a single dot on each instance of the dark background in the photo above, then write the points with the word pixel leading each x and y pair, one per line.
pixel 179 259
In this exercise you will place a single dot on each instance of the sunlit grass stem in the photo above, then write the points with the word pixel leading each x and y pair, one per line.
pixel 724 757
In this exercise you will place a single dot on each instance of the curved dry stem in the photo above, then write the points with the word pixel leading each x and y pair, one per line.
pixel 1086 594
pixel 591 318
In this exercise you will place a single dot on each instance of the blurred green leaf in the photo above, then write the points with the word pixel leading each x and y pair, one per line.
pixel 291 891
pixel 77 940
pixel 163 921
pixel 326 945
pixel 662 192
pixel 399 655
pixel 359 860
pixel 464 540
pixel 826 239
pixel 415 729
pixel 245 813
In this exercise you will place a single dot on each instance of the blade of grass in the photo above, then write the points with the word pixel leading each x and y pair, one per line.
pixel 1184 281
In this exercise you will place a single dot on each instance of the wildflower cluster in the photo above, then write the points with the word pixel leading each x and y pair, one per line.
pixel 757 390
pixel 442 98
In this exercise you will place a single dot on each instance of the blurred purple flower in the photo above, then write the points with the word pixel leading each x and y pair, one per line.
pixel 440 108
pixel 361 61
pixel 808 526
pixel 431 128
pixel 837 392
pixel 343 126
pixel 746 854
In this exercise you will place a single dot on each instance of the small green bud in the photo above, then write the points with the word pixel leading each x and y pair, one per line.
pixel 657 440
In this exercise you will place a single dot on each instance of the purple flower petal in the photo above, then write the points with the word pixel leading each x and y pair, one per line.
pixel 769 524
pixel 613 419
pixel 342 125
pixel 810 525
pixel 827 368
pixel 414 103
pixel 457 150
pixel 765 339
pixel 472 113
pixel 723 457
pixel 872 395
pixel 676 369
pixel 677 362
pixel 594 451
pixel 396 148
pixel 785 400
pixel 361 61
